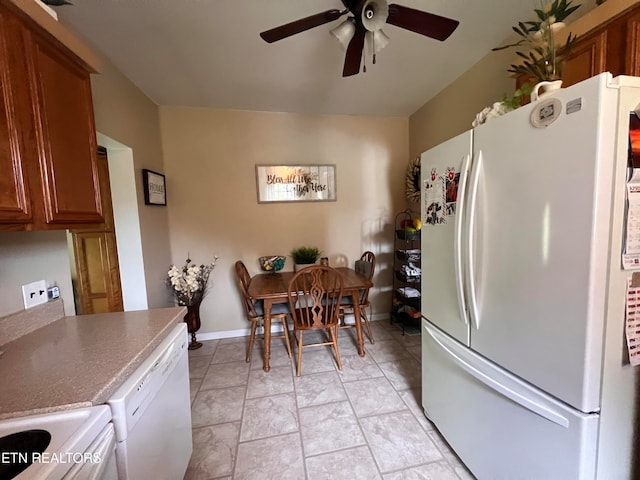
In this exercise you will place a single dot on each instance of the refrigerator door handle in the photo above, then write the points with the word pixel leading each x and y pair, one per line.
pixel 470 241
pixel 500 388
pixel 457 238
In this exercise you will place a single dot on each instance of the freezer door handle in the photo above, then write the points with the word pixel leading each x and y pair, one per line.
pixel 500 388
pixel 457 238
pixel 470 241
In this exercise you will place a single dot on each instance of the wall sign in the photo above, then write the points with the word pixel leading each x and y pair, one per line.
pixel 296 183
pixel 155 192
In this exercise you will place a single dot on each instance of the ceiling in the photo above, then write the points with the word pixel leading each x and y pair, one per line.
pixel 207 53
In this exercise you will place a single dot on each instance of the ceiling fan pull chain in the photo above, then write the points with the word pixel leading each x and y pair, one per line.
pixel 373 48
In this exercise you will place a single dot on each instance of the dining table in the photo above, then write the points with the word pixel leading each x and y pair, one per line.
pixel 273 288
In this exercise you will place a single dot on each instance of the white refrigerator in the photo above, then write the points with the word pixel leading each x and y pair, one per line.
pixel 524 361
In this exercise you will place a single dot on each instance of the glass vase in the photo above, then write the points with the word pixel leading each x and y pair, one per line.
pixel 192 319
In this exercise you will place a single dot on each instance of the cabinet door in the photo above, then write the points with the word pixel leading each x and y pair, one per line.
pixel 65 134
pixel 15 204
pixel 587 59
pixel 632 60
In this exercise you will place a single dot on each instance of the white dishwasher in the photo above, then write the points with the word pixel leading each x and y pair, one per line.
pixel 152 414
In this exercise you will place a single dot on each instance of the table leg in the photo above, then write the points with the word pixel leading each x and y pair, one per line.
pixel 356 314
pixel 267 334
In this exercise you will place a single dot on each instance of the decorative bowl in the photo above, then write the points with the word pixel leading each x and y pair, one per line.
pixel 272 263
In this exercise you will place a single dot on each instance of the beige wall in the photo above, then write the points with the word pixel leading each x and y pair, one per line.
pixel 452 110
pixel 210 157
pixel 26 257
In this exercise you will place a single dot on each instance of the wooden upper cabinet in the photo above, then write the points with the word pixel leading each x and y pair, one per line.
pixel 632 58
pixel 613 46
pixel 587 58
pixel 65 132
pixel 15 202
pixel 47 132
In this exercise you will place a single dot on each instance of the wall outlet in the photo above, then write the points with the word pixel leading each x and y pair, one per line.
pixel 34 293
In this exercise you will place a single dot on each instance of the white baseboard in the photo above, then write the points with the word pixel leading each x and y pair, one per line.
pixel 244 332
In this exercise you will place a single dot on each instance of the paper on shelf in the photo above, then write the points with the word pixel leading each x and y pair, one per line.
pixel 409 292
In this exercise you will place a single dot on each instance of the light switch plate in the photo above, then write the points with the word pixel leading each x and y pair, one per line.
pixel 34 293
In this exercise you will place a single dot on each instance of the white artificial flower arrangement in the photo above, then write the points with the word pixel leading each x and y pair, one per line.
pixel 503 106
pixel 494 111
pixel 189 282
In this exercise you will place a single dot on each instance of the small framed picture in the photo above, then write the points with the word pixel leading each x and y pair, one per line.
pixel 155 192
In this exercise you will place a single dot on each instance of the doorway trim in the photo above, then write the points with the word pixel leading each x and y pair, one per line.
pixel 127 223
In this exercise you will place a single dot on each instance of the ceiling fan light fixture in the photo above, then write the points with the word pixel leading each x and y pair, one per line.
pixel 374 14
pixel 377 40
pixel 345 32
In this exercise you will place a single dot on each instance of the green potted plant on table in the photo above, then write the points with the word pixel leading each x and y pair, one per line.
pixel 304 256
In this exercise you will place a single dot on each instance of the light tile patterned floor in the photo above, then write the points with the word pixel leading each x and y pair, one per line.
pixel 364 422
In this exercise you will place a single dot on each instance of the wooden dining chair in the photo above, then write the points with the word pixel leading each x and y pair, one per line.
pixel 254 311
pixel 366 267
pixel 314 301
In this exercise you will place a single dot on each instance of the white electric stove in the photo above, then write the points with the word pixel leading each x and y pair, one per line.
pixel 70 444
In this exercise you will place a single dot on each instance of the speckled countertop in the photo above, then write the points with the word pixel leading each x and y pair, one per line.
pixel 78 361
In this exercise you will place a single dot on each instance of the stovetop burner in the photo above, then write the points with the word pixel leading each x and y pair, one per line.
pixel 17 451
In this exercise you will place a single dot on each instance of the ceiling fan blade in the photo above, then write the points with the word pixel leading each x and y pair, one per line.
pixel 301 25
pixel 424 23
pixel 353 56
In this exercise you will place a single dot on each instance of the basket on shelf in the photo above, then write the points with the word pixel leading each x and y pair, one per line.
pixel 404 234
pixel 412 255
pixel 402 276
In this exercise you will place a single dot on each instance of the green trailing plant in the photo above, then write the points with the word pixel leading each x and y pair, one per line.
pixel 516 100
pixel 304 255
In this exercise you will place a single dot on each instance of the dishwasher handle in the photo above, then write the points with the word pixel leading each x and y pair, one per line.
pixel 166 356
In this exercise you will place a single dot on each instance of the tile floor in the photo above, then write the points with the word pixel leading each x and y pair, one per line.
pixel 364 422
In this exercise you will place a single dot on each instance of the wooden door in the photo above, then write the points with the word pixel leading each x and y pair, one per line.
pixel 98 276
pixel 97 286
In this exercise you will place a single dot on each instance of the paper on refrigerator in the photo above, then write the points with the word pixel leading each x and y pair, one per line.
pixel 631 252
pixel 632 320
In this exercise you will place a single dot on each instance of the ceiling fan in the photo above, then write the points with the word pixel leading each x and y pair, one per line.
pixel 365 22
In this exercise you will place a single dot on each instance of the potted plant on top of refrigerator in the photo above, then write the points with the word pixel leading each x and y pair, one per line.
pixel 544 59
